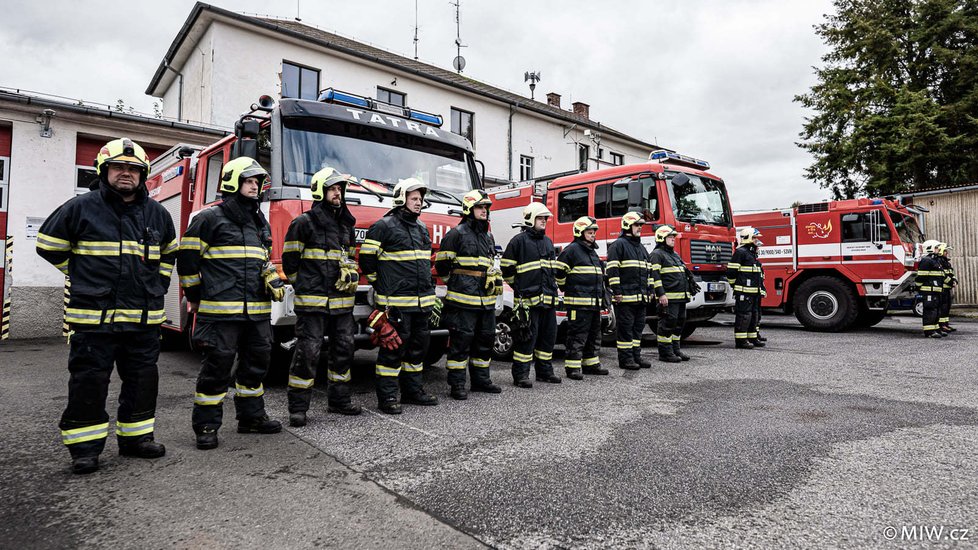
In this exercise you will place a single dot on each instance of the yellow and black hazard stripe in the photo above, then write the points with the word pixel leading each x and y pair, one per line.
pixel 8 256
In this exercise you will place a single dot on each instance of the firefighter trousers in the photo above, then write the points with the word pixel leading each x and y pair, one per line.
pixel 310 328
pixel 757 317
pixel 583 333
pixel 405 363
pixel 630 319
pixel 669 331
pixel 538 346
pixel 220 342
pixel 84 423
pixel 945 316
pixel 932 312
pixel 746 308
pixel 471 335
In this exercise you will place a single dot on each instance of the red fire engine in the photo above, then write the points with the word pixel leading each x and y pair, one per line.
pixel 699 210
pixel 377 142
pixel 837 264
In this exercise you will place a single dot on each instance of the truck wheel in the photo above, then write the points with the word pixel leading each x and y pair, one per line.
pixel 609 329
pixel 825 304
pixel 870 317
pixel 688 330
pixel 918 308
pixel 502 346
pixel 188 331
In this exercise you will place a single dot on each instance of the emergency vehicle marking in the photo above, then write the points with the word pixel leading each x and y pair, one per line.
pixel 395 122
pixel 819 231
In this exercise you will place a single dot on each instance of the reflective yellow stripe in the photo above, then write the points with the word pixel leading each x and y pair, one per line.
pixel 341 302
pixel 305 300
pixel 748 268
pixel 412 367
pixel 381 370
pixel 191 243
pixel 155 317
pixel 557 264
pixel 543 355
pixel 293 246
pixel 655 267
pixel 83 316
pixel 740 335
pixel 205 400
pixel 458 364
pixel 406 301
pixel 187 281
pixel 320 254
pixel 469 299
pixel 88 433
pixel 337 377
pixel 733 265
pixel 632 298
pixel 170 247
pixel 677 295
pixel 663 339
pixel 532 301
pixel 166 269
pixel 245 391
pixel 590 361
pixel 444 255
pixel 586 270
pixel 572 364
pixel 529 266
pixel 54 244
pixel 746 289
pixel 614 280
pixel 124 316
pixel 479 363
pixel 231 308
pixel 580 301
pixel 137 249
pixel 623 345
pixel 370 246
pixel 63 267
pixel 97 248
pixel 522 357
pixel 235 252
pixel 403 255
pixel 931 327
pixel 673 269
pixel 131 429
pixel 506 262
pixel 474 261
pixel 301 383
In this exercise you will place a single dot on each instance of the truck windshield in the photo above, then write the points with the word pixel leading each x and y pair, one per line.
pixel 701 201
pixel 906 227
pixel 380 156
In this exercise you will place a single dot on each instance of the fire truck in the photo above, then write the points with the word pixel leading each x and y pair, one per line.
pixel 698 209
pixel 837 264
pixel 377 142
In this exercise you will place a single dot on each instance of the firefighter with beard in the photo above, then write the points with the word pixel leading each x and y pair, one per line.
pixel 528 266
pixel 930 284
pixel 672 290
pixel 580 274
pixel 318 260
pixel 229 282
pixel 950 281
pixel 395 257
pixel 745 275
pixel 117 245
pixel 465 260
pixel 628 277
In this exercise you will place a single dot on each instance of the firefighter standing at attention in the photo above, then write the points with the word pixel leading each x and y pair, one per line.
pixel 580 275
pixel 465 260
pixel 950 281
pixel 628 277
pixel 116 244
pixel 395 257
pixel 930 284
pixel 318 260
pixel 228 280
pixel 672 290
pixel 745 275
pixel 528 266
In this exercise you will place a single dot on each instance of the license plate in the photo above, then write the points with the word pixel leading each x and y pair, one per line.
pixel 716 287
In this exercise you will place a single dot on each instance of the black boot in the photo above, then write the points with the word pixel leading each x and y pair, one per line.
pixel 523 383
pixel 297 419
pixel 626 361
pixel 575 374
pixel 146 448
pixel 760 338
pixel 757 343
pixel 458 393
pixel 486 387
pixel 595 369
pixel 389 406
pixel 678 352
pixel 667 354
pixel 549 378
pixel 744 344
pixel 84 464
pixel 642 364
pixel 207 438
pixel 348 409
pixel 420 398
pixel 259 425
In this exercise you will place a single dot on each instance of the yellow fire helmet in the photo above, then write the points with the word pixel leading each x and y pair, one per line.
pixel 664 231
pixel 326 178
pixel 943 248
pixel 746 235
pixel 122 151
pixel 630 219
pixel 241 167
pixel 475 197
pixel 533 211
pixel 405 186
pixel 930 246
pixel 584 223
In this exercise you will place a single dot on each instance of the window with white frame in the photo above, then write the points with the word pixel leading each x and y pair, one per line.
pixel 617 159
pixel 390 96
pixel 526 168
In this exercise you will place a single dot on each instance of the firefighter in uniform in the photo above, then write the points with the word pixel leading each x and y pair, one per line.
pixel 318 260
pixel 465 260
pixel 628 277
pixel 950 281
pixel 580 275
pixel 672 290
pixel 116 245
pixel 528 266
pixel 930 284
pixel 395 258
pixel 228 281
pixel 745 275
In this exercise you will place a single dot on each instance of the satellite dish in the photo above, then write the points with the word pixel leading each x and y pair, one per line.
pixel 458 63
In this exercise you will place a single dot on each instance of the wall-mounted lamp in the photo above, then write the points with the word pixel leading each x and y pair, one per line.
pixel 44 119
pixel 394 82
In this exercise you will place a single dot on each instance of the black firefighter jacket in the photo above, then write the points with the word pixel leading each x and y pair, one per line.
pixel 580 275
pixel 395 257
pixel 628 269
pixel 930 275
pixel 118 257
pixel 744 271
pixel 316 243
pixel 668 274
pixel 528 265
pixel 220 261
pixel 467 249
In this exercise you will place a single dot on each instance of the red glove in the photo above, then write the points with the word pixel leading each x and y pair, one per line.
pixel 384 334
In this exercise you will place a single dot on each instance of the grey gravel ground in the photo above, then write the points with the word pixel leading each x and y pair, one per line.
pixel 817 440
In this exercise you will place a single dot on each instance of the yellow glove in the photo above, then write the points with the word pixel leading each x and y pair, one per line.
pixel 348 278
pixel 494 282
pixel 273 282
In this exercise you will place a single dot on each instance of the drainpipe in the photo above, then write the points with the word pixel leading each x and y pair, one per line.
pixel 509 139
pixel 166 65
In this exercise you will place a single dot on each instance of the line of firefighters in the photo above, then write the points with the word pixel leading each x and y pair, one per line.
pixel 119 248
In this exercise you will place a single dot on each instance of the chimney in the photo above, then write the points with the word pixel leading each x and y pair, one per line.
pixel 553 100
pixel 581 109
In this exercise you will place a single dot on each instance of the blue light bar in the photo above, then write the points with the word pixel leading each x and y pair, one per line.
pixel 669 156
pixel 330 95
pixel 427 118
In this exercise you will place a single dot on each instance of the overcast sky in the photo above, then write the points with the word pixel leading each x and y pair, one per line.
pixel 713 79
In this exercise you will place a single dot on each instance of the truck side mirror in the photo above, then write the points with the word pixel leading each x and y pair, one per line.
pixel 246 144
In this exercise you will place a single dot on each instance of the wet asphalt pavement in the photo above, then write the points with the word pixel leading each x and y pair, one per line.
pixel 851 441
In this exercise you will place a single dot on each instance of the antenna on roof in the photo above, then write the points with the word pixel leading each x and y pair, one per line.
pixel 459 62
pixel 533 78
pixel 297 18
pixel 415 30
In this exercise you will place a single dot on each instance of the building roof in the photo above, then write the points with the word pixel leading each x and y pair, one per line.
pixel 371 54
pixel 943 190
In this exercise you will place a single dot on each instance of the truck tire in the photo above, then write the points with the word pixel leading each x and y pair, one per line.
pixel 869 317
pixel 689 329
pixel 609 329
pixel 825 304
pixel 502 346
